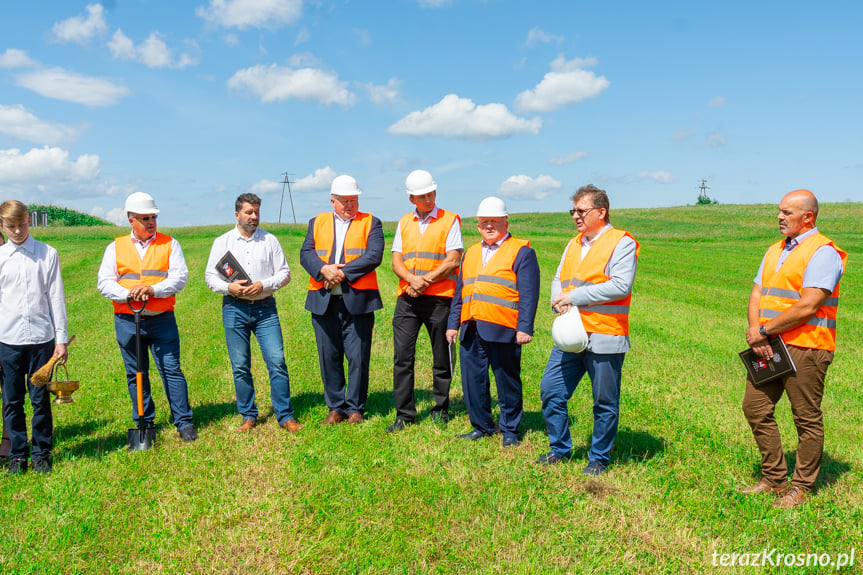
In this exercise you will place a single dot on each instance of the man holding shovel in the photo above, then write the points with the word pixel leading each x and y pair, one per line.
pixel 146 267
pixel 32 330
pixel 248 306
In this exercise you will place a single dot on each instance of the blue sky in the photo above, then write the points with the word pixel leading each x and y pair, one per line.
pixel 197 102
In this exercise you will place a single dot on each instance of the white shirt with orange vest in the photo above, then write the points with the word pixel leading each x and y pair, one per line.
pixel 108 278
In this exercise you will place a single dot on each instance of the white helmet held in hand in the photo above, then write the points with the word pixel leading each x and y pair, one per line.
pixel 141 203
pixel 420 182
pixel 344 185
pixel 491 207
pixel 568 332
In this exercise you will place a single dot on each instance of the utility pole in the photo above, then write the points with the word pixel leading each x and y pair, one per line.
pixel 703 198
pixel 287 182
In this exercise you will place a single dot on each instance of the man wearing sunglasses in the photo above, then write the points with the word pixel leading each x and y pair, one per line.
pixel 596 274
pixel 146 267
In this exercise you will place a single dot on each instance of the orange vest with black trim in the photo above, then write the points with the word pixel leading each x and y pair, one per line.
pixel 611 317
pixel 781 289
pixel 490 292
pixel 133 271
pixel 423 253
pixel 356 240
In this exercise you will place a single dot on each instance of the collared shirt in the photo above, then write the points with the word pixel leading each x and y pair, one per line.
pixel 823 270
pixel 260 255
pixel 620 270
pixel 489 250
pixel 108 277
pixel 32 300
pixel 453 238
pixel 340 231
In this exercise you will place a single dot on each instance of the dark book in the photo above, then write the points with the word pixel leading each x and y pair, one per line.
pixel 762 370
pixel 230 269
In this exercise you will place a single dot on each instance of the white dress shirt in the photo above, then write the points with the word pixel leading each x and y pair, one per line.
pixel 260 255
pixel 32 300
pixel 108 282
pixel 453 238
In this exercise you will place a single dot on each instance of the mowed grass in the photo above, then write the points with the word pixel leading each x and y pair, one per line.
pixel 355 499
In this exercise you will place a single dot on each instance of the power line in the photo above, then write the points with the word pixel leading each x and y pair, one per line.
pixel 287 182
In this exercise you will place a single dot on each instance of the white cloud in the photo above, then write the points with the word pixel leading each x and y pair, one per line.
pixel 387 94
pixel 364 37
pixel 43 165
pixel 717 102
pixel 659 177
pixel 567 83
pixel 114 215
pixel 251 13
pixel 265 187
pixel 682 135
pixel 62 85
pixel 319 180
pixel 715 141
pixel 303 60
pixel 567 159
pixel 538 35
pixel 18 122
pixel 460 118
pixel 523 187
pixel 232 40
pixel 276 83
pixel 152 52
pixel 13 58
pixel 79 29
pixel 434 3
pixel 302 36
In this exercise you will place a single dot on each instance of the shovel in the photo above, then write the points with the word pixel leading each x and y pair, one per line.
pixel 143 437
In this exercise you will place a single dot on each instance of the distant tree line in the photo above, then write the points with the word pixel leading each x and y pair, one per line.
pixel 58 216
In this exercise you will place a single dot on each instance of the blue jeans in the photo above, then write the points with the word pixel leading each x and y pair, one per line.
pixel 18 362
pixel 158 334
pixel 562 374
pixel 241 320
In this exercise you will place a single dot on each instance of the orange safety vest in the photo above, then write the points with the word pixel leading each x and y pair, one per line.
pixel 780 289
pixel 611 317
pixel 490 292
pixel 355 245
pixel 133 271
pixel 423 253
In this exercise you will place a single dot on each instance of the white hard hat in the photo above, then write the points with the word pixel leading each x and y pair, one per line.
pixel 419 182
pixel 141 203
pixel 344 185
pixel 568 333
pixel 491 207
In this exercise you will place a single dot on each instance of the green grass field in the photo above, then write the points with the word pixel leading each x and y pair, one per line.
pixel 355 499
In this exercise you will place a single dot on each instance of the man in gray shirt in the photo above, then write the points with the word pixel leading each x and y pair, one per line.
pixel 596 274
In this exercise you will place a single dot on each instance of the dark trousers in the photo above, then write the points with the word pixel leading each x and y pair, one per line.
pixel 477 355
pixel 5 442
pixel 339 335
pixel 18 362
pixel 805 390
pixel 409 317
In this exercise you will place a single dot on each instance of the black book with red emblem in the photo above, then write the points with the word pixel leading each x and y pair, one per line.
pixel 230 269
pixel 762 370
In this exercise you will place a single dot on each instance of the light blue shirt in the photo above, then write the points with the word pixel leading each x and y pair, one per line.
pixel 823 270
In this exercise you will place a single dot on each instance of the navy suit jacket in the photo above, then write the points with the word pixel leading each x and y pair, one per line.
pixel 526 268
pixel 357 301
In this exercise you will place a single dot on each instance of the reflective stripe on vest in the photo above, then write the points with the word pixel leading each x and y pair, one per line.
pixel 356 240
pixel 610 317
pixel 490 292
pixel 783 288
pixel 133 271
pixel 423 253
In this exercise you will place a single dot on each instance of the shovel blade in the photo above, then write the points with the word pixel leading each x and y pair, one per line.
pixel 141 439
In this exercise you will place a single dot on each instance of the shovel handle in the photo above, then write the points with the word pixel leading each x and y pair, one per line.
pixel 136 310
pixel 140 393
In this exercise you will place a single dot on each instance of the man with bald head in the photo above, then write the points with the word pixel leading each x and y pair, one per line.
pixel 795 296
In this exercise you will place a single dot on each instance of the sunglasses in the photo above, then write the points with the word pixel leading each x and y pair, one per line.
pixel 146 219
pixel 581 213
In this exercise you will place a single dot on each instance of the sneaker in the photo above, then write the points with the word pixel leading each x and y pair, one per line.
pixel 398 425
pixel 440 417
pixel 188 434
pixel 551 458
pixel 17 465
pixel 593 468
pixel 43 464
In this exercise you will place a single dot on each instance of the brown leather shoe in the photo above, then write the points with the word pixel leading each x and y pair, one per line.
pixel 792 498
pixel 247 425
pixel 355 418
pixel 333 418
pixel 764 487
pixel 291 425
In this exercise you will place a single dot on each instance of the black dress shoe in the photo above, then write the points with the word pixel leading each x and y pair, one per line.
pixel 43 464
pixel 510 441
pixel 551 458
pixel 17 465
pixel 473 435
pixel 440 417
pixel 398 425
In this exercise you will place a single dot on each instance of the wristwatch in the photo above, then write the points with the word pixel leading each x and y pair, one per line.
pixel 762 331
